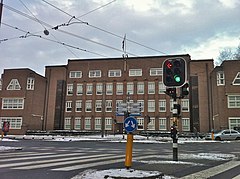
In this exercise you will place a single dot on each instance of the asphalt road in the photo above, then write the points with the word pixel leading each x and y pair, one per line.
pixel 63 160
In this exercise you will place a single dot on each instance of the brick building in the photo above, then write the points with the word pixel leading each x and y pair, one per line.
pixel 225 89
pixel 83 95
pixel 22 99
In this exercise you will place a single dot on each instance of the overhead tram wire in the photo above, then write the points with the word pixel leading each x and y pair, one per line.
pixel 46 32
pixel 103 30
pixel 29 34
pixel 65 32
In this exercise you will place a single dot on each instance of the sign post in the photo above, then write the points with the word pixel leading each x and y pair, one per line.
pixel 130 125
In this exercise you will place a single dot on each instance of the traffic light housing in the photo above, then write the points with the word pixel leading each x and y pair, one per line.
pixel 173 132
pixel 171 92
pixel 184 90
pixel 174 72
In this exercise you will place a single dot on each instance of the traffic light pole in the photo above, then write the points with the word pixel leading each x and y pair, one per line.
pixel 174 131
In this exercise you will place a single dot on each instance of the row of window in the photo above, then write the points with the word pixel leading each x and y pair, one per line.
pixel 99 105
pixel 15 122
pixel 96 124
pixel 221 79
pixel 115 73
pixel 15 85
pixel 119 88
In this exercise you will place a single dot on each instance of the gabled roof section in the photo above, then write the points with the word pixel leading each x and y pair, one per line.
pixel 236 80
pixel 14 85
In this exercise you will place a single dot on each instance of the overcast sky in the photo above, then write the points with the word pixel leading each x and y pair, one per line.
pixel 200 28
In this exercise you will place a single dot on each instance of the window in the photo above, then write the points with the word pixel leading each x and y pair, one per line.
pixel 67 123
pixel 94 73
pixel 220 78
pixel 108 105
pixel 119 90
pixel 161 88
pixel 68 106
pixel 99 89
pixel 234 122
pixel 114 73
pixel 79 89
pixel 30 83
pixel 236 80
pixel 151 105
pixel 135 72
pixel 142 104
pixel 162 105
pixel 15 122
pixel 185 105
pixel 70 89
pixel 98 106
pixel 78 106
pixel 87 124
pixel 185 124
pixel 89 89
pixel 88 107
pixel 151 124
pixel 75 74
pixel 130 88
pixel 108 124
pixel 77 123
pixel 98 123
pixel 12 103
pixel 151 88
pixel 234 101
pixel 140 122
pixel 109 89
pixel 14 85
pixel 162 124
pixel 140 88
pixel 156 71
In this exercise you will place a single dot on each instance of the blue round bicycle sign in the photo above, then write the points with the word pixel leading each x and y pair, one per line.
pixel 130 124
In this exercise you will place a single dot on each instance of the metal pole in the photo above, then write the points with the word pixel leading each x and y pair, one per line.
pixel 1 10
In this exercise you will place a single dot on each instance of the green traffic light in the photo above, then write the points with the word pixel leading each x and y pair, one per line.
pixel 177 78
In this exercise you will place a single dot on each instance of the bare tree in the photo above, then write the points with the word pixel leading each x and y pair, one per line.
pixel 228 54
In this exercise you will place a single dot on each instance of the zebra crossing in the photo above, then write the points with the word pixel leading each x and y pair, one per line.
pixel 64 161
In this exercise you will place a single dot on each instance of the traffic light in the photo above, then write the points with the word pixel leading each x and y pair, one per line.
pixel 171 92
pixel 173 132
pixel 184 90
pixel 174 72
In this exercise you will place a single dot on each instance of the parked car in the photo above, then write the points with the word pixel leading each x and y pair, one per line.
pixel 227 134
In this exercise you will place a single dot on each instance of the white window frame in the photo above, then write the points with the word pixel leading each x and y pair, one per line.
pixel 130 88
pixel 15 122
pixel 67 123
pixel 87 123
pixel 12 103
pixel 236 122
pixel 88 106
pixel 114 73
pixel 94 74
pixel 119 89
pixel 79 89
pixel 98 123
pixel 135 72
pixel 77 123
pixel 78 106
pixel 185 105
pixel 30 83
pixel 156 71
pixel 162 124
pixel 140 87
pixel 237 78
pixel 68 106
pixel 151 106
pixel 108 123
pixel 151 124
pixel 161 88
pixel 233 101
pixel 185 124
pixel 75 74
pixel 99 88
pixel 69 89
pixel 151 87
pixel 220 78
pixel 162 105
pixel 109 88
pixel 14 85
pixel 89 89
pixel 140 122
pixel 109 105
pixel 98 106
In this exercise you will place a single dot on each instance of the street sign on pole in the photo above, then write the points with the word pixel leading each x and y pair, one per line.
pixel 130 124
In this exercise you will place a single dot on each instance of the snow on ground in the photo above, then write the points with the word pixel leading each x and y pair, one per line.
pixel 6 148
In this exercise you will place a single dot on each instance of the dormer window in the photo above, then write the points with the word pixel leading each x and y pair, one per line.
pixel 14 85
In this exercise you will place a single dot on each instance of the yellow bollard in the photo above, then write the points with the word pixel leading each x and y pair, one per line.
pixel 212 135
pixel 129 146
pixel 2 134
